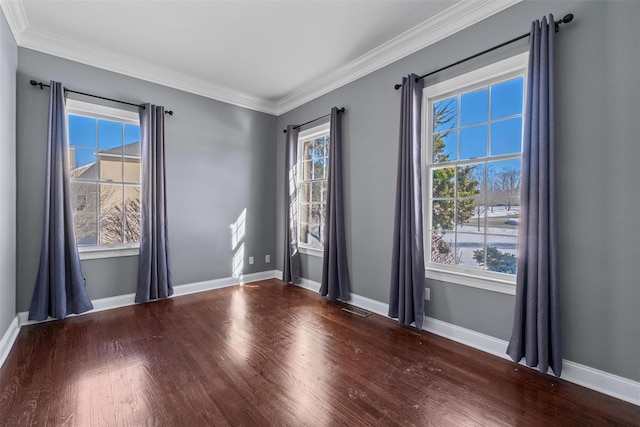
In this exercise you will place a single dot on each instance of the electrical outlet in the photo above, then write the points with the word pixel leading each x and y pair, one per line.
pixel 267 258
pixel 427 294
pixel 250 260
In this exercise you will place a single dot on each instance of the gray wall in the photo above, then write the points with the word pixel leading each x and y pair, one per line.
pixel 8 64
pixel 597 104
pixel 219 162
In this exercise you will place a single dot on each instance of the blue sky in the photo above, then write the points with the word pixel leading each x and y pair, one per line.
pixel 83 131
pixel 484 118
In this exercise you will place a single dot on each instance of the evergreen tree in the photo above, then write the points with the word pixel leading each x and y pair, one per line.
pixel 446 214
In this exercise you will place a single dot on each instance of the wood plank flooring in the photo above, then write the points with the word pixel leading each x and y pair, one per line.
pixel 266 354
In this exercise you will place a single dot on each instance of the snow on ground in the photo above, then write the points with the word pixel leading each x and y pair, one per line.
pixel 502 235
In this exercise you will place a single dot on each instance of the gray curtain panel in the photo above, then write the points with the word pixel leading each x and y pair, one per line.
pixel 291 270
pixel 59 289
pixel 154 272
pixel 536 328
pixel 406 300
pixel 335 269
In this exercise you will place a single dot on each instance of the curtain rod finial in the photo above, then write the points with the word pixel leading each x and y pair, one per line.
pixel 397 86
pixel 567 18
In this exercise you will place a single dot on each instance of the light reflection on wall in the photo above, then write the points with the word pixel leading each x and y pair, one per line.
pixel 237 263
pixel 237 245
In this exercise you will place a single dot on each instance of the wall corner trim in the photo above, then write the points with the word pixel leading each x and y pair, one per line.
pixel 8 339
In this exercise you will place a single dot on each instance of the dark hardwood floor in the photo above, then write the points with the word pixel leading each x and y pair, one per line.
pixel 269 354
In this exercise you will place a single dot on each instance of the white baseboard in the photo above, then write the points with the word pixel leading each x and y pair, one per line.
pixel 603 382
pixel 8 339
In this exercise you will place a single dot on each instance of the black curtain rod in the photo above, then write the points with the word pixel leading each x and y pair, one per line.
pixel 340 110
pixel 567 18
pixel 43 85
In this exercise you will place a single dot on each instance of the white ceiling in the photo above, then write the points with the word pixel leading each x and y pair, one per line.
pixel 266 55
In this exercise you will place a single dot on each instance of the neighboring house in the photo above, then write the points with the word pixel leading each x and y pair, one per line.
pixel 107 193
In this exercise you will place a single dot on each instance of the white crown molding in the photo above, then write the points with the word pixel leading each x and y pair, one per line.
pixel 450 21
pixel 16 17
pixel 461 15
pixel 63 47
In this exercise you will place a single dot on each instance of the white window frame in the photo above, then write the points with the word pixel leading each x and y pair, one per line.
pixel 502 70
pixel 305 135
pixel 87 109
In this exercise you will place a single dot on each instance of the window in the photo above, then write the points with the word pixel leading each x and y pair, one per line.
pixel 473 152
pixel 104 161
pixel 313 163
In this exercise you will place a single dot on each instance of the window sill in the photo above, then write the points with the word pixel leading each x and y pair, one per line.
pixel 107 252
pixel 474 281
pixel 311 251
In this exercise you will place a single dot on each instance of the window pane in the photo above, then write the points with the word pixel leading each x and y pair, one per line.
pixel 506 98
pixel 445 115
pixel 316 214
pixel 466 210
pixel 318 148
pixel 131 169
pixel 471 215
pixel 304 232
pixel 111 198
pixel 86 229
pixel 474 107
pixel 473 142
pixel 84 196
pixel 470 179
pixel 82 163
pixel 305 212
pixel 315 236
pixel 305 192
pixel 504 216
pixel 467 245
pixel 109 137
pixel 132 149
pixel 442 248
pixel 443 182
pixel 132 135
pixel 111 229
pixel 82 131
pixel 110 168
pixel 442 214
pixel 318 168
pixel 132 228
pixel 504 179
pixel 132 198
pixel 324 191
pixel 506 136
pixel 307 150
pixel 316 191
pixel 307 171
pixel 501 254
pixel 445 146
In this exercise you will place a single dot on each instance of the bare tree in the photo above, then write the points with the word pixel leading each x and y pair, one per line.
pixel 116 220
pixel 509 183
